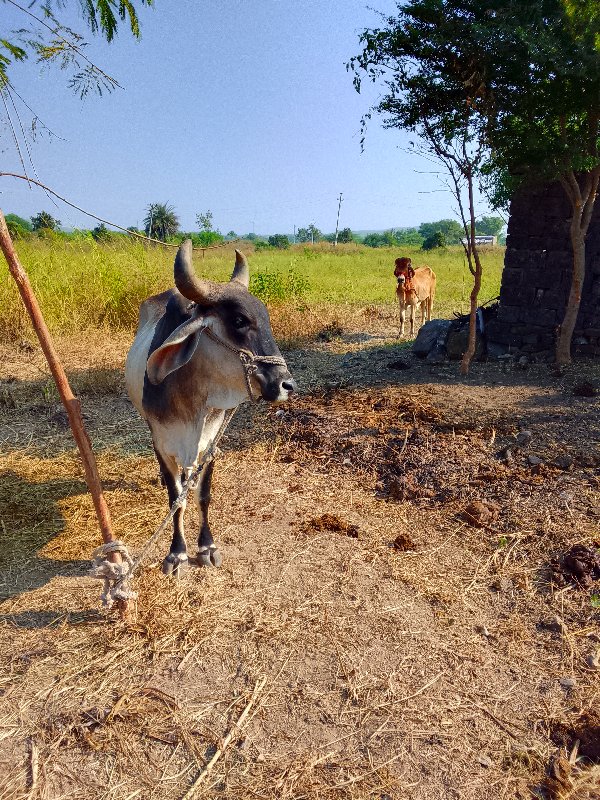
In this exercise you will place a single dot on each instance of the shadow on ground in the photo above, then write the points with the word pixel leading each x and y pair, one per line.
pixel 29 519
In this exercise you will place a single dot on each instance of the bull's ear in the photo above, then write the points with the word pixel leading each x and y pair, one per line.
pixel 175 351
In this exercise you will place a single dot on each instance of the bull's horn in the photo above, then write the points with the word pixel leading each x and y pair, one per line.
pixel 240 272
pixel 186 280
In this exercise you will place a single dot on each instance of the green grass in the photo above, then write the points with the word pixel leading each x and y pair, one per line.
pixel 83 285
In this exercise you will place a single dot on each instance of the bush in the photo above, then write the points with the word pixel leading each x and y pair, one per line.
pixel 101 233
pixel 273 287
pixel 437 239
pixel 16 230
pixel 260 244
pixel 280 241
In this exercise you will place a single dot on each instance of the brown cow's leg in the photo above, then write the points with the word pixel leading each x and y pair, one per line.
pixel 402 308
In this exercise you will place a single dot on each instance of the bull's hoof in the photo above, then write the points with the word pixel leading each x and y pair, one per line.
pixel 175 565
pixel 209 556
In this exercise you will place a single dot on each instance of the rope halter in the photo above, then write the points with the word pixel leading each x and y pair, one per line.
pixel 248 360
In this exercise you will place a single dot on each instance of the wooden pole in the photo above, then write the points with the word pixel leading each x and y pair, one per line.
pixel 70 402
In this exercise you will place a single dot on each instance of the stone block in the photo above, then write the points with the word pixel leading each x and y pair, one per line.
pixel 508 314
pixel 516 295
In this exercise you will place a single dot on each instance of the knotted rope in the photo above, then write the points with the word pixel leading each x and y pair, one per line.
pixel 115 576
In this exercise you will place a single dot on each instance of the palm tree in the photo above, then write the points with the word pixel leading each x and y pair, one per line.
pixel 160 221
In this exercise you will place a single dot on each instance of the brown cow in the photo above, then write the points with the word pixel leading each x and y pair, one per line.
pixel 416 287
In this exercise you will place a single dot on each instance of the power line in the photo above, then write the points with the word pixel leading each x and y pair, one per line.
pixel 106 221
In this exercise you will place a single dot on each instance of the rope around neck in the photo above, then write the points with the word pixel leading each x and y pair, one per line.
pixel 117 577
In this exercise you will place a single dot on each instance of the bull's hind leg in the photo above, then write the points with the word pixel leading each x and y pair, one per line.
pixel 208 554
pixel 177 560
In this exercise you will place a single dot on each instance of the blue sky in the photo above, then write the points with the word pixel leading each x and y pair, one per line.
pixel 243 107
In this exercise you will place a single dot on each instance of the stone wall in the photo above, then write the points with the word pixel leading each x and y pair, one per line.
pixel 537 277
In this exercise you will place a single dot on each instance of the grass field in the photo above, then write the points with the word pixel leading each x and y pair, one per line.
pixel 82 285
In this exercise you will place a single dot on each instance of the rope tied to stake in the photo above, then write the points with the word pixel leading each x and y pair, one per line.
pixel 116 577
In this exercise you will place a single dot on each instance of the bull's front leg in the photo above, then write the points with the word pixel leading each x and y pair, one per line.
pixel 177 561
pixel 208 553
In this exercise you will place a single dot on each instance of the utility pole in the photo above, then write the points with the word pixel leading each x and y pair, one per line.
pixel 337 223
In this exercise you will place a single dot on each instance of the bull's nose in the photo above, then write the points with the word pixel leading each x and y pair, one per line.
pixel 289 385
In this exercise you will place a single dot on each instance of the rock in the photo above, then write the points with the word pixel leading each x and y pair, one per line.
pixel 496 351
pixel 593 660
pixel 563 461
pixel 484 760
pixel 523 438
pixel 429 335
pixel 568 683
pixel 534 460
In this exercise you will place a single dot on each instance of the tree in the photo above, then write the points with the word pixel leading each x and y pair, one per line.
pixel 452 230
pixel 50 41
pixel 529 76
pixel 160 221
pixel 409 237
pixel 205 221
pixel 44 221
pixel 414 55
pixel 490 226
pixel 545 124
pixel 280 241
pixel 437 239
pixel 23 223
pixel 101 233
pixel 232 235
pixel 374 240
pixel 345 236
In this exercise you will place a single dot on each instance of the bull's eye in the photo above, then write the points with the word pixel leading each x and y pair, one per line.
pixel 240 322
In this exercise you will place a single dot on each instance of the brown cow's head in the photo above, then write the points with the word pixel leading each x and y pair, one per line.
pixel 403 270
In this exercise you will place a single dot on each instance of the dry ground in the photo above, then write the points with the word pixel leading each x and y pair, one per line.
pixel 374 643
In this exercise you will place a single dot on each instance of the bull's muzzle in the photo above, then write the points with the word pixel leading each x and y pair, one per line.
pixel 276 383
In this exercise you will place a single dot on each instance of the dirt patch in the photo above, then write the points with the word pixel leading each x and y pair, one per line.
pixel 330 522
pixel 579 565
pixel 584 730
pixel 423 658
pixel 481 513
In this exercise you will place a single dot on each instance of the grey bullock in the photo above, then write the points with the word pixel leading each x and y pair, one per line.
pixel 199 350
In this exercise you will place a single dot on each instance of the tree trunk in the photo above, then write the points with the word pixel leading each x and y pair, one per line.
pixel 563 342
pixel 473 252
pixel 582 200
pixel 472 344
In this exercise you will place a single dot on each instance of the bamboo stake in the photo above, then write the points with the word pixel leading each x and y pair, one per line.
pixel 70 402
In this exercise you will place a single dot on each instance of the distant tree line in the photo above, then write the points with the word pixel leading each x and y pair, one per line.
pixel 161 222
